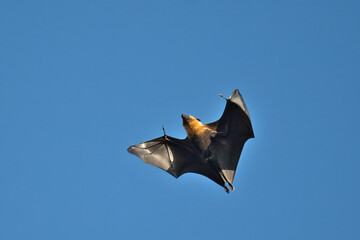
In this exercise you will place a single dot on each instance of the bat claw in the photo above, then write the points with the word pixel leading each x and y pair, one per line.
pixel 222 96
pixel 163 128
pixel 165 136
pixel 226 189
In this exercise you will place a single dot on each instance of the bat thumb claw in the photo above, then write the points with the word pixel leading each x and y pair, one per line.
pixel 222 96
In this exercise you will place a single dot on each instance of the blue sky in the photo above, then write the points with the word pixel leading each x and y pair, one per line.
pixel 80 81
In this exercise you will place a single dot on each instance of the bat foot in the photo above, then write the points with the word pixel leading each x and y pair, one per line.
pixel 226 189
pixel 231 187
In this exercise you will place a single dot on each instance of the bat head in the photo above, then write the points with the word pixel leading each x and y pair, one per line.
pixel 191 124
pixel 189 118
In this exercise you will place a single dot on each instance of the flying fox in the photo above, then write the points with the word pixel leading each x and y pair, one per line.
pixel 211 149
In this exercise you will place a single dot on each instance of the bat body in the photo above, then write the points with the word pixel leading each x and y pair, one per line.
pixel 212 149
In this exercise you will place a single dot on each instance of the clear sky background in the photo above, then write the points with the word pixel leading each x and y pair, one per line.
pixel 80 81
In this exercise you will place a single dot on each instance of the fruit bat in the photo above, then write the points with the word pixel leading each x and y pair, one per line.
pixel 212 149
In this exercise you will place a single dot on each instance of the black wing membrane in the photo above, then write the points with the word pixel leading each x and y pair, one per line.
pixel 233 130
pixel 175 156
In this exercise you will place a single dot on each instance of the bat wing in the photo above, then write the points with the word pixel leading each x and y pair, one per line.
pixel 233 130
pixel 175 156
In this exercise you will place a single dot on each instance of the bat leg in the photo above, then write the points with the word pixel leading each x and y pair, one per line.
pixel 231 186
pixel 226 181
pixel 216 168
pixel 226 189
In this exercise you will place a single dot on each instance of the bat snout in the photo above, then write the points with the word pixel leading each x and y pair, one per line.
pixel 185 119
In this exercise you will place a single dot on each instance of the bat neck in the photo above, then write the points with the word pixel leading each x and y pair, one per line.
pixel 194 127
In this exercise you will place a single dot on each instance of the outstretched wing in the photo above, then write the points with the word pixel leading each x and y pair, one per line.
pixel 175 156
pixel 233 130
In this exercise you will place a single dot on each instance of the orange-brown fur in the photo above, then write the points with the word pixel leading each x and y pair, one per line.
pixel 195 127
